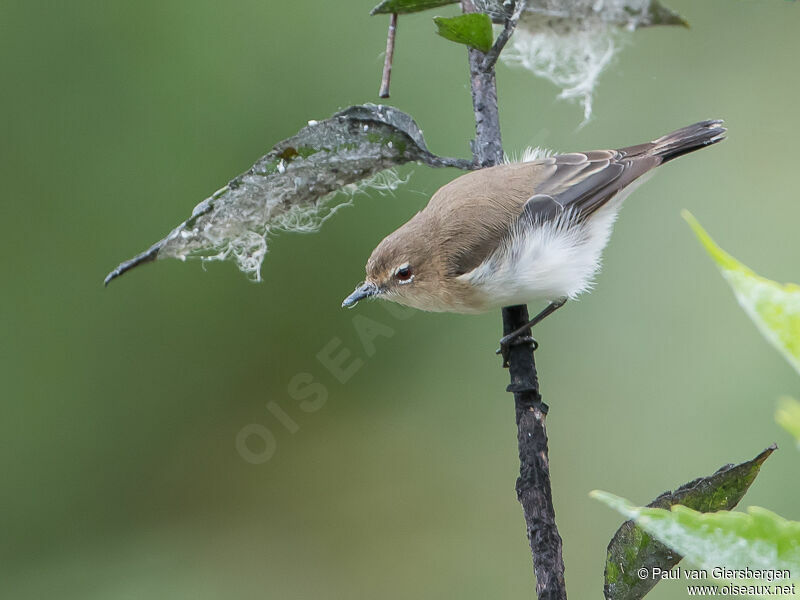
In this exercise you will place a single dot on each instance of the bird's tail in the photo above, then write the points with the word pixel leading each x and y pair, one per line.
pixel 687 139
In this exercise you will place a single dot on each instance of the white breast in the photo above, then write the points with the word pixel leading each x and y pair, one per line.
pixel 550 260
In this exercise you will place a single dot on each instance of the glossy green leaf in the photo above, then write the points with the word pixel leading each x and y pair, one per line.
pixel 724 541
pixel 775 308
pixel 408 6
pixel 474 29
pixel 788 416
pixel 632 548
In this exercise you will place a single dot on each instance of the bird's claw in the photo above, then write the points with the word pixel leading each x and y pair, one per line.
pixel 514 340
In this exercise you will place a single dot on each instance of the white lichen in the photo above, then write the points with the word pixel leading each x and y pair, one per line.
pixel 572 59
pixel 233 234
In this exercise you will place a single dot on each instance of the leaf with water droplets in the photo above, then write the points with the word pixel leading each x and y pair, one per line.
pixel 294 186
pixel 632 548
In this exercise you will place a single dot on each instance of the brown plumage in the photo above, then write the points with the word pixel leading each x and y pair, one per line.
pixel 516 232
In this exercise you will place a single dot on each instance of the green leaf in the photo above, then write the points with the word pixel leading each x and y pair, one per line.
pixel 294 186
pixel 758 540
pixel 775 308
pixel 632 548
pixel 408 6
pixel 473 29
pixel 788 416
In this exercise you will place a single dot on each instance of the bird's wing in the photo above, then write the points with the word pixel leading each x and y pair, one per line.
pixel 542 190
pixel 581 183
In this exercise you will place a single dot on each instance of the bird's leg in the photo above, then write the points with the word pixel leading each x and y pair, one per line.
pixel 548 310
pixel 516 337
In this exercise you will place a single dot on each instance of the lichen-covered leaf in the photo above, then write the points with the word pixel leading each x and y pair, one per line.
pixel 633 548
pixel 294 186
pixel 774 308
pixel 473 29
pixel 788 416
pixel 724 543
pixel 572 43
pixel 630 14
pixel 408 6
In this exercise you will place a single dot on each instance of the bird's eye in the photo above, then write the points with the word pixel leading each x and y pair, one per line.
pixel 403 273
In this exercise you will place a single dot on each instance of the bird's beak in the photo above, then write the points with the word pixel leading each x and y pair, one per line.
pixel 365 290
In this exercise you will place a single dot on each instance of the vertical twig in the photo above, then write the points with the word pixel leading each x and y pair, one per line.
pixel 508 30
pixel 387 63
pixel 533 486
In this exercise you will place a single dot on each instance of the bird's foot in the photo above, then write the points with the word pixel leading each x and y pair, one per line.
pixel 507 342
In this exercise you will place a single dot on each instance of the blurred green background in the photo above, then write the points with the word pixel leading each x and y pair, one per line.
pixel 121 407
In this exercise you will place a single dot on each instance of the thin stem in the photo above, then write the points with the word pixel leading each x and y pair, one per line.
pixel 490 60
pixel 533 485
pixel 387 63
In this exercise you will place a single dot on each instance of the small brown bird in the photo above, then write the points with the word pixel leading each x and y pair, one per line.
pixel 517 232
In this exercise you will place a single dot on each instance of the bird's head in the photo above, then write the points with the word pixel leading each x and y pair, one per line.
pixel 401 269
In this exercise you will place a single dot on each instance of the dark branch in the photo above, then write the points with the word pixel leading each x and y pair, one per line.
pixel 387 63
pixel 533 485
pixel 510 25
